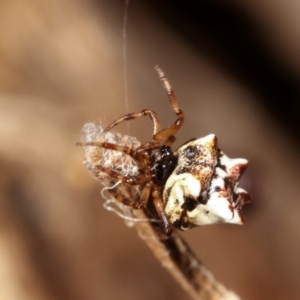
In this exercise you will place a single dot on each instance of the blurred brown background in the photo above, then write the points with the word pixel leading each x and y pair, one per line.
pixel 235 67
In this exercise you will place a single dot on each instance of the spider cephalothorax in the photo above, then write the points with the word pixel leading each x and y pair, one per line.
pixel 195 185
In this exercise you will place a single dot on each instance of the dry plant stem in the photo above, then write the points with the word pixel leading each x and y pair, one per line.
pixel 176 256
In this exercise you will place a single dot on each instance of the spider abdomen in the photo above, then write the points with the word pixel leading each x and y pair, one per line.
pixel 203 187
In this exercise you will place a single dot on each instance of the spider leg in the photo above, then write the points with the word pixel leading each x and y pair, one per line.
pixel 132 180
pixel 124 149
pixel 170 140
pixel 140 204
pixel 145 112
pixel 167 132
pixel 160 209
pixel 133 153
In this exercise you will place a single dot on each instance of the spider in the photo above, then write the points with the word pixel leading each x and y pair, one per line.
pixel 195 185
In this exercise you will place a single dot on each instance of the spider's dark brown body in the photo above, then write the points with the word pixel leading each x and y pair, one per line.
pixel 163 163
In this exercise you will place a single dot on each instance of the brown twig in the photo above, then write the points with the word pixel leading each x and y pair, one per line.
pixel 177 257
